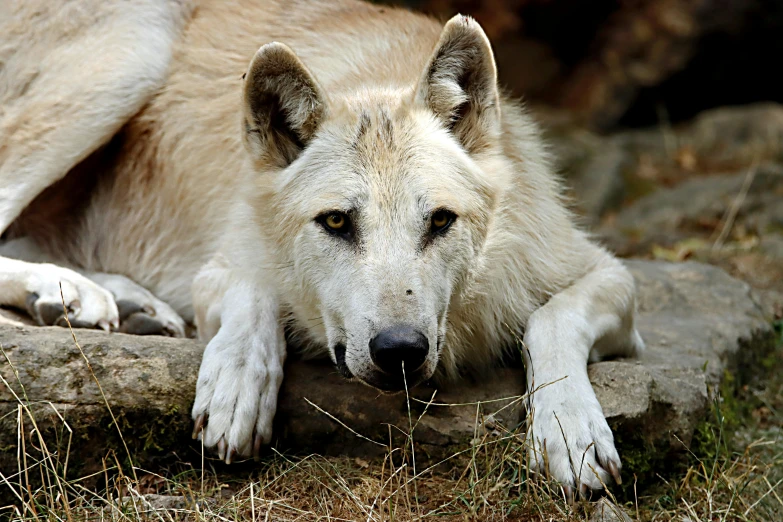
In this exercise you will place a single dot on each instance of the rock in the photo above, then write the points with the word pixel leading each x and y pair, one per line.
pixel 591 165
pixel 165 502
pixel 733 220
pixel 605 172
pixel 718 140
pixel 607 511
pixel 697 322
pixel 702 204
pixel 175 507
pixel 149 384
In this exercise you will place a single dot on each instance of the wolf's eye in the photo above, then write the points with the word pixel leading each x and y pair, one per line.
pixel 337 223
pixel 441 220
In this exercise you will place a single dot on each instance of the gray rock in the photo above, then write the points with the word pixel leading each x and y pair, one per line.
pixel 697 323
pixel 696 320
pixel 734 221
pixel 607 511
pixel 726 136
pixel 689 207
pixel 592 167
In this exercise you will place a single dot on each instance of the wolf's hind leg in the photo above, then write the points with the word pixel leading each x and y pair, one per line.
pixel 73 74
pixel 31 281
pixel 140 312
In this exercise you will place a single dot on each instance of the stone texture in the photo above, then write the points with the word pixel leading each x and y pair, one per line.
pixel 606 511
pixel 697 322
pixel 592 166
pixel 681 211
pixel 733 220
pixel 717 140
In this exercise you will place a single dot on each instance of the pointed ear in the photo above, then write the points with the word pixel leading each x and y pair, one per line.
pixel 459 84
pixel 283 105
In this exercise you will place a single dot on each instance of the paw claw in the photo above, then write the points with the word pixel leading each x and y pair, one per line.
pixel 615 472
pixel 232 452
pixel 569 494
pixel 199 425
pixel 221 447
pixel 257 443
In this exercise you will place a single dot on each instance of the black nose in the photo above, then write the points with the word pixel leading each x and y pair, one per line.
pixel 398 344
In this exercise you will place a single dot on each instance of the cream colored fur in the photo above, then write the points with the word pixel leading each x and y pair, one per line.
pixel 217 183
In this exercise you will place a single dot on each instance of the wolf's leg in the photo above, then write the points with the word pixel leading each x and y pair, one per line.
pixel 36 287
pixel 138 310
pixel 77 73
pixel 72 75
pixel 209 286
pixel 569 431
pixel 241 373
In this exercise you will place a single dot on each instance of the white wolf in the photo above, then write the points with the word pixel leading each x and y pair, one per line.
pixel 363 186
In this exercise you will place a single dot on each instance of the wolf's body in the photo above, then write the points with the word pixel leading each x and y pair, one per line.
pixel 142 102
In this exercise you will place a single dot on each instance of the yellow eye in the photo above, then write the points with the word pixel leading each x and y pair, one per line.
pixel 441 220
pixel 335 221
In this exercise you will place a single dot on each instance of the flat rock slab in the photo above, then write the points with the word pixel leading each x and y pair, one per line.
pixel 696 320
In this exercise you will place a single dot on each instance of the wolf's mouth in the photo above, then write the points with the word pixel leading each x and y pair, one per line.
pixel 339 357
pixel 378 380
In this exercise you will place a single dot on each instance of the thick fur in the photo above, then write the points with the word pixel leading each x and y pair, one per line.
pixel 220 181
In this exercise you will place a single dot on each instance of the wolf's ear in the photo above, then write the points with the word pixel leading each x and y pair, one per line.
pixel 459 83
pixel 283 105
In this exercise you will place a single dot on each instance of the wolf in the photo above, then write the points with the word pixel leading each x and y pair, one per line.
pixel 331 176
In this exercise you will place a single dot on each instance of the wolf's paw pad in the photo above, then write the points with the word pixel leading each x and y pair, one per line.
pixel 87 304
pixel 574 445
pixel 141 319
pixel 140 312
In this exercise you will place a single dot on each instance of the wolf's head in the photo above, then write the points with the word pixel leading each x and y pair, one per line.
pixel 377 200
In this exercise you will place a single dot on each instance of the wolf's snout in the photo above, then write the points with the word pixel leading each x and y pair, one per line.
pixel 397 345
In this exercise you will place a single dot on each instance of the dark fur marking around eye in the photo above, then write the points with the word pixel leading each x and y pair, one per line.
pixel 347 232
pixel 434 230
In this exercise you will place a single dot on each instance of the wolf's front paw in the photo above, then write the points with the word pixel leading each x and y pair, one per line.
pixel 236 393
pixel 572 441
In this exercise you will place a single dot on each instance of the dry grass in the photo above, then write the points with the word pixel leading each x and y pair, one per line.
pixel 484 481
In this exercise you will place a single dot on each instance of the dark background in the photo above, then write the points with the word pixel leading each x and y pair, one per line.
pixel 619 64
